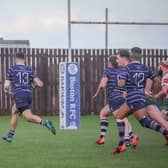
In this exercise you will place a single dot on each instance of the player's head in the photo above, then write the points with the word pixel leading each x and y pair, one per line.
pixel 135 54
pixel 112 61
pixel 163 67
pixel 123 57
pixel 19 57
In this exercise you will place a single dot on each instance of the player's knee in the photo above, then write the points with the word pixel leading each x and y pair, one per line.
pixel 118 116
pixel 103 114
pixel 27 115
pixel 14 110
pixel 119 120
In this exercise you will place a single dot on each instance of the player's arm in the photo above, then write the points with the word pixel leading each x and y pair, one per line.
pixel 153 79
pixel 101 87
pixel 148 88
pixel 7 83
pixel 162 93
pixel 156 84
pixel 7 86
pixel 37 82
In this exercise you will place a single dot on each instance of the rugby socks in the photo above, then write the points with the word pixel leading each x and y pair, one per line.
pixel 103 127
pixel 131 134
pixel 121 132
pixel 149 123
pixel 127 139
pixel 11 133
pixel 42 122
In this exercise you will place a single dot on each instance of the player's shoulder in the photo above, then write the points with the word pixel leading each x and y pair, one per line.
pixel 11 68
pixel 135 63
pixel 139 65
pixel 106 71
pixel 28 68
pixel 110 69
pixel 123 71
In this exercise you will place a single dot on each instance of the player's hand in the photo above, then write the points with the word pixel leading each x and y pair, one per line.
pixel 93 97
pixel 33 86
pixel 8 91
pixel 148 94
pixel 124 94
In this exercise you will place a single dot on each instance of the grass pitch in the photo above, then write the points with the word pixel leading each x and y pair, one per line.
pixel 35 147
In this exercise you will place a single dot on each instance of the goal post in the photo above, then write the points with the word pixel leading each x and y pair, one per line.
pixel 69 95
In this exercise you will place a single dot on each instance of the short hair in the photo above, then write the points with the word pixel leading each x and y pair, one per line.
pixel 124 53
pixel 136 51
pixel 20 55
pixel 112 60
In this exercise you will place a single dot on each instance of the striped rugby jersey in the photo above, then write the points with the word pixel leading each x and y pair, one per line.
pixel 112 89
pixel 135 74
pixel 21 77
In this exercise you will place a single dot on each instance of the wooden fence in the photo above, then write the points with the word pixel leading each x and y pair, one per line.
pixel 46 63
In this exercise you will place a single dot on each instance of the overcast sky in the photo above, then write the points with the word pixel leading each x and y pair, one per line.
pixel 44 23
